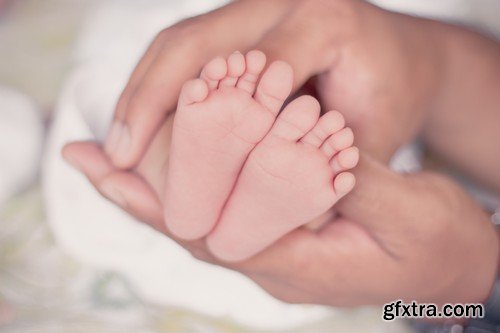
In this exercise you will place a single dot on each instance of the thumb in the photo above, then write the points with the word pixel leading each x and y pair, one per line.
pixel 302 42
pixel 125 189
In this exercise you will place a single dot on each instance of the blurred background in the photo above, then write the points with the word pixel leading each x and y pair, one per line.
pixel 70 262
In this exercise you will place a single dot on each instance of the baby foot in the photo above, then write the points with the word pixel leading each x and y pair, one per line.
pixel 294 175
pixel 220 118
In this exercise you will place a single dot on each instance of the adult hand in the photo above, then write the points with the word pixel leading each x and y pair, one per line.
pixel 365 66
pixel 348 47
pixel 436 246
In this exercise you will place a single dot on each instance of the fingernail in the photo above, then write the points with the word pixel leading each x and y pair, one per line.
pixel 114 137
pixel 124 143
pixel 72 161
pixel 114 195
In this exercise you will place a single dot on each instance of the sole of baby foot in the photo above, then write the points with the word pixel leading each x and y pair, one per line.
pixel 220 118
pixel 297 173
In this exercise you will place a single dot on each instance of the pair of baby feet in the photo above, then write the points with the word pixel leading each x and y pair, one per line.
pixel 241 173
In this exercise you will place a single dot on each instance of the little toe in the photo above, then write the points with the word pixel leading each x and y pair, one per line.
pixel 330 123
pixel 343 183
pixel 213 72
pixel 343 139
pixel 235 68
pixel 193 91
pixel 275 86
pixel 255 63
pixel 296 119
pixel 345 160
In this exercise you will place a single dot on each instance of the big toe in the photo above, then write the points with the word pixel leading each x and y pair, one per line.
pixel 275 86
pixel 298 118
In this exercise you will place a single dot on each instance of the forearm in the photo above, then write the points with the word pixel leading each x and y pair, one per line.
pixel 464 125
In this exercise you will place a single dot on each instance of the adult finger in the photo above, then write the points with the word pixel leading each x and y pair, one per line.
pixel 343 254
pixel 136 77
pixel 306 38
pixel 377 189
pixel 126 189
pixel 177 55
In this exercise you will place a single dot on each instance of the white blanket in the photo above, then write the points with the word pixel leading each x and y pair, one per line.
pixel 21 136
